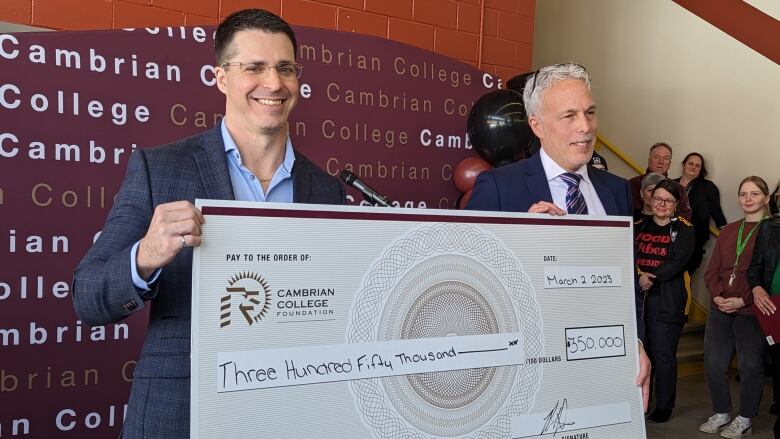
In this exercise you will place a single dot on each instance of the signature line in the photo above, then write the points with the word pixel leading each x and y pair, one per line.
pixel 567 431
pixel 484 350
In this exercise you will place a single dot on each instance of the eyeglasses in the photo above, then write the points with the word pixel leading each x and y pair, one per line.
pixel 664 201
pixel 288 70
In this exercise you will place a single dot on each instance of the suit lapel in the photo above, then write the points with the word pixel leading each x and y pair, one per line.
pixel 301 180
pixel 537 180
pixel 212 165
pixel 605 195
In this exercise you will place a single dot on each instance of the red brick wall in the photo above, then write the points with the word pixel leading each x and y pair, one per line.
pixel 449 27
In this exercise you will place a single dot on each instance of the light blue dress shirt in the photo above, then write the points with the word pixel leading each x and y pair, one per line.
pixel 246 187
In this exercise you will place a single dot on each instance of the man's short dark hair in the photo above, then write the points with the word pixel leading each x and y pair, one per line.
pixel 247 19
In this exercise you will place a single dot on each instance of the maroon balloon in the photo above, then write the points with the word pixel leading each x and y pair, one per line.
pixel 466 172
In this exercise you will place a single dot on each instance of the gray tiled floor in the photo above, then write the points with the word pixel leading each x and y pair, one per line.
pixel 693 408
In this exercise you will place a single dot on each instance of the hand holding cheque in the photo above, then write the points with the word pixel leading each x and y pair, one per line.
pixel 174 226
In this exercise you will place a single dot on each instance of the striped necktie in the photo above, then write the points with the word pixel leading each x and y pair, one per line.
pixel 575 202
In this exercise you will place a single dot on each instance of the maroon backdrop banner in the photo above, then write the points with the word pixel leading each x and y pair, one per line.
pixel 73 107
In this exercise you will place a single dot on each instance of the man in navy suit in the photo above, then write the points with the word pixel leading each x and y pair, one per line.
pixel 562 114
pixel 557 180
pixel 144 255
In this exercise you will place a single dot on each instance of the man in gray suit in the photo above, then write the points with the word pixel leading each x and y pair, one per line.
pixel 144 255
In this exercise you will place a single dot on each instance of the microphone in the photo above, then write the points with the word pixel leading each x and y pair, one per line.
pixel 369 194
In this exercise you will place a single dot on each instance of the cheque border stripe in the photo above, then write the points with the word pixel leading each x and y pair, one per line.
pixel 328 214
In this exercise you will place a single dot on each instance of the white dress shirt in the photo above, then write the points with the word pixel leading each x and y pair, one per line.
pixel 558 187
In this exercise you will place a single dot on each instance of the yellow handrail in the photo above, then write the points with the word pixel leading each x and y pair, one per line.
pixel 622 156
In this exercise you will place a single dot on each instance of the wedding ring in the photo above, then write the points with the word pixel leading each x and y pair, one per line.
pixel 183 241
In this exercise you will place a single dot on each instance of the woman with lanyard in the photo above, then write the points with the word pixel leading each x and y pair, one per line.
pixel 664 243
pixel 732 324
pixel 764 280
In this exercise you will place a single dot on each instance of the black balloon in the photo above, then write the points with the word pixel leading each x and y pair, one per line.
pixel 517 83
pixel 499 130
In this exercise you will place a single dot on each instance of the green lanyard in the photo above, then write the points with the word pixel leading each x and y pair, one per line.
pixel 741 247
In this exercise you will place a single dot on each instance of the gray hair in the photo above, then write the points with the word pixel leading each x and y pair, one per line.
pixel 662 144
pixel 546 77
pixel 652 179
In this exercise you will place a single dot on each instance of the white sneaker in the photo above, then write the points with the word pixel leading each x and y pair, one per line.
pixel 715 423
pixel 739 427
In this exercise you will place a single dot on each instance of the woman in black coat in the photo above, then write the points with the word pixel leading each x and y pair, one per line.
pixel 664 243
pixel 704 200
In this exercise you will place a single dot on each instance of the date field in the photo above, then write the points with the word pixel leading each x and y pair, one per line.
pixel 581 277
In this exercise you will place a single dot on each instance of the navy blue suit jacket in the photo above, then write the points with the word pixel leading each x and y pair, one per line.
pixel 103 289
pixel 515 187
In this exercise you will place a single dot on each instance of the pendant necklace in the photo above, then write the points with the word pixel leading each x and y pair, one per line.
pixel 741 248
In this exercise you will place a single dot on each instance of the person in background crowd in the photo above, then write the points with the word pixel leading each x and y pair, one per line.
pixel 764 280
pixel 648 185
pixel 732 324
pixel 704 199
pixel 599 162
pixel 659 159
pixel 664 243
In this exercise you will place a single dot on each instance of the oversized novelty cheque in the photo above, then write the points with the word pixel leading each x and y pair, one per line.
pixel 349 322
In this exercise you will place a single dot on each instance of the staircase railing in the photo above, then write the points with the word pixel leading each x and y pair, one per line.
pixel 620 154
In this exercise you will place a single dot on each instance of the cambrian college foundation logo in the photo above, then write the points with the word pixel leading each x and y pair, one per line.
pixel 255 298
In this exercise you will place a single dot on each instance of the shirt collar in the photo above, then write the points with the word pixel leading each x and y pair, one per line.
pixel 289 154
pixel 552 170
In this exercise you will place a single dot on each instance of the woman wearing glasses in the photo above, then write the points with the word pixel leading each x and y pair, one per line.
pixel 648 184
pixel 664 243
pixel 732 324
pixel 704 199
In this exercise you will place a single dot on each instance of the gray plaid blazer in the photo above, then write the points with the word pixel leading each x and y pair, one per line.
pixel 103 290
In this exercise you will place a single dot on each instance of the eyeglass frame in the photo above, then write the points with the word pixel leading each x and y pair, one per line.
pixel 663 201
pixel 298 68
